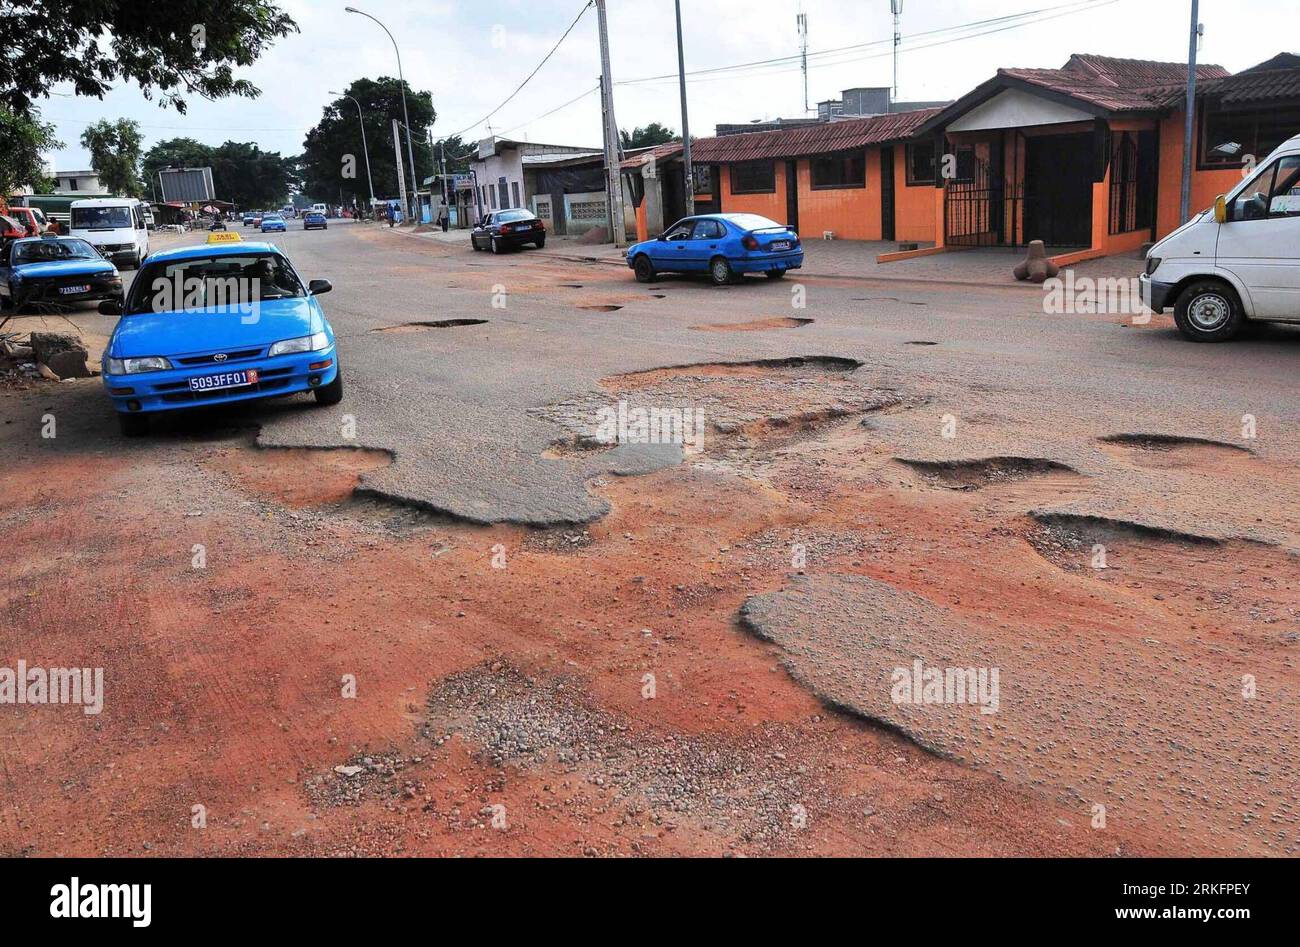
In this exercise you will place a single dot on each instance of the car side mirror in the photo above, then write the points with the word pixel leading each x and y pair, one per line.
pixel 318 286
pixel 662 236
pixel 110 307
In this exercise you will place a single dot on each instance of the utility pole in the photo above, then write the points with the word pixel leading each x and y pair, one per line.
pixel 397 154
pixel 1185 207
pixel 688 172
pixel 897 7
pixel 801 21
pixel 613 174
pixel 364 150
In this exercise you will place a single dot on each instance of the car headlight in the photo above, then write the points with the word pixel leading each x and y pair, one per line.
pixel 133 366
pixel 308 343
pixel 1153 264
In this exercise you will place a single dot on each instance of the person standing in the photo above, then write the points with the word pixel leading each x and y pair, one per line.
pixel 443 216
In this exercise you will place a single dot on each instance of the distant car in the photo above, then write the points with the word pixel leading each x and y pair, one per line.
pixel 249 218
pixel 257 332
pixel 314 219
pixel 273 223
pixel 11 229
pixel 722 245
pixel 30 218
pixel 55 270
pixel 503 229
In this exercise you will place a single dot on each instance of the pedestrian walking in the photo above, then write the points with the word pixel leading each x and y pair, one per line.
pixel 443 217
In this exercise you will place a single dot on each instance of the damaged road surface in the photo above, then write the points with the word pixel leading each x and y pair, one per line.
pixel 486 606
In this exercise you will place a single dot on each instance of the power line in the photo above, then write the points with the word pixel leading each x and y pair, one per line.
pixel 971 31
pixel 521 85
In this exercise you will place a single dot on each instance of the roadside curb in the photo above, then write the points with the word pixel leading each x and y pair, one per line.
pixel 800 274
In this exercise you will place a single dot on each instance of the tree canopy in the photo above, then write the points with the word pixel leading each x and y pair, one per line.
pixel 241 172
pixel 652 134
pixel 177 48
pixel 333 160
pixel 24 138
pixel 114 148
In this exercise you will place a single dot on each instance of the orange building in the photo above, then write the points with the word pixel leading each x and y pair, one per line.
pixel 1087 158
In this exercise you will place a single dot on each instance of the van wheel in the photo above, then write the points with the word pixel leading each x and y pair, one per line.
pixel 644 269
pixel 133 425
pixel 720 271
pixel 1208 312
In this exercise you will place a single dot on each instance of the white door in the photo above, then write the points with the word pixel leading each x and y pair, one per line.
pixel 1260 243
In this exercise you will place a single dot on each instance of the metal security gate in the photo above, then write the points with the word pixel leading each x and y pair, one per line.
pixel 980 208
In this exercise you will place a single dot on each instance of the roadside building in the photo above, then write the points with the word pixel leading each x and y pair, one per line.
pixel 81 183
pixel 1087 158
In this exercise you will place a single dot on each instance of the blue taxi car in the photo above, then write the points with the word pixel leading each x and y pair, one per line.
pixel 273 223
pixel 723 245
pixel 217 323
pixel 52 270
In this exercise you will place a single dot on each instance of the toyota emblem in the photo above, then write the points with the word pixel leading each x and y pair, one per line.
pixel 219 357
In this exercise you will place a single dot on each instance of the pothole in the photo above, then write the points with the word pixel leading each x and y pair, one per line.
pixel 756 325
pixel 437 324
pixel 921 342
pixel 298 477
pixel 1079 530
pixel 604 307
pixel 1166 451
pixel 974 473
pixel 572 285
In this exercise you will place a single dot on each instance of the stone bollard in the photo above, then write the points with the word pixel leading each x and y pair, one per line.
pixel 1036 266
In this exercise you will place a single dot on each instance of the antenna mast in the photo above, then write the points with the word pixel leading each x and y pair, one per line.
pixel 801 20
pixel 897 7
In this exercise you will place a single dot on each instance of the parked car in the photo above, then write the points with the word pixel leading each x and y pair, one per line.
pixel 723 245
pixel 1237 261
pixel 217 354
pixel 503 229
pixel 115 225
pixel 31 219
pixel 273 223
pixel 11 229
pixel 55 270
pixel 314 219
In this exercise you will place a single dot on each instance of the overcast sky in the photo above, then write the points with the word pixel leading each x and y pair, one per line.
pixel 472 53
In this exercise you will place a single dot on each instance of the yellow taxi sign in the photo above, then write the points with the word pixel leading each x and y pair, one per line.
pixel 224 236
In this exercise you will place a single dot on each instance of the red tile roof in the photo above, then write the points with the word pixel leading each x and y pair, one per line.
pixel 1270 81
pixel 1116 85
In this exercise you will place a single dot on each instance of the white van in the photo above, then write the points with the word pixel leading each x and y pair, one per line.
pixel 1238 260
pixel 114 225
pixel 320 209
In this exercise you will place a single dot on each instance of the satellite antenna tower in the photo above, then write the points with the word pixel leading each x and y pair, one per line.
pixel 801 20
pixel 897 7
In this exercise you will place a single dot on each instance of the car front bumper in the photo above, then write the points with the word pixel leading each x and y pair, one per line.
pixel 169 390
pixel 1157 295
pixel 46 291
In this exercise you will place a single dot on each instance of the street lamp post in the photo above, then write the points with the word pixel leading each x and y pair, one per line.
pixel 365 150
pixel 410 152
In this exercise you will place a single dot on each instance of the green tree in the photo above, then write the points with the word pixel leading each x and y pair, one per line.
pixel 241 172
pixel 652 134
pixel 332 158
pixel 24 138
pixel 115 155
pixel 177 48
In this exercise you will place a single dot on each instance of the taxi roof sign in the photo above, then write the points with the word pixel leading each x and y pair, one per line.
pixel 224 236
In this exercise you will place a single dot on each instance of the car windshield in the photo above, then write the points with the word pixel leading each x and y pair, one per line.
pixel 215 282
pixel 755 222
pixel 273 217
pixel 101 218
pixel 505 216
pixel 52 251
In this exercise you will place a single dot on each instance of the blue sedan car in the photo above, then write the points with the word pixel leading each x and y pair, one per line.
pixel 274 223
pixel 314 219
pixel 215 324
pixel 723 245
pixel 52 270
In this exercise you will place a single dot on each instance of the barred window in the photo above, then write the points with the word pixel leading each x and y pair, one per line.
pixel 920 162
pixel 845 170
pixel 753 177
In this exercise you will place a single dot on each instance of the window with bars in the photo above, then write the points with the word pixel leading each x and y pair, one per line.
pixel 920 163
pixel 843 170
pixel 753 177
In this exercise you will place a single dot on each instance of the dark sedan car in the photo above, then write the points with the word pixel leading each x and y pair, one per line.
pixel 503 229
pixel 55 270
pixel 313 220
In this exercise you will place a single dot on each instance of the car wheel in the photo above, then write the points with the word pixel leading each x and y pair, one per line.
pixel 1208 311
pixel 644 269
pixel 496 247
pixel 541 242
pixel 720 271
pixel 333 392
pixel 133 425
pixel 776 274
pixel 473 243
pixel 6 303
